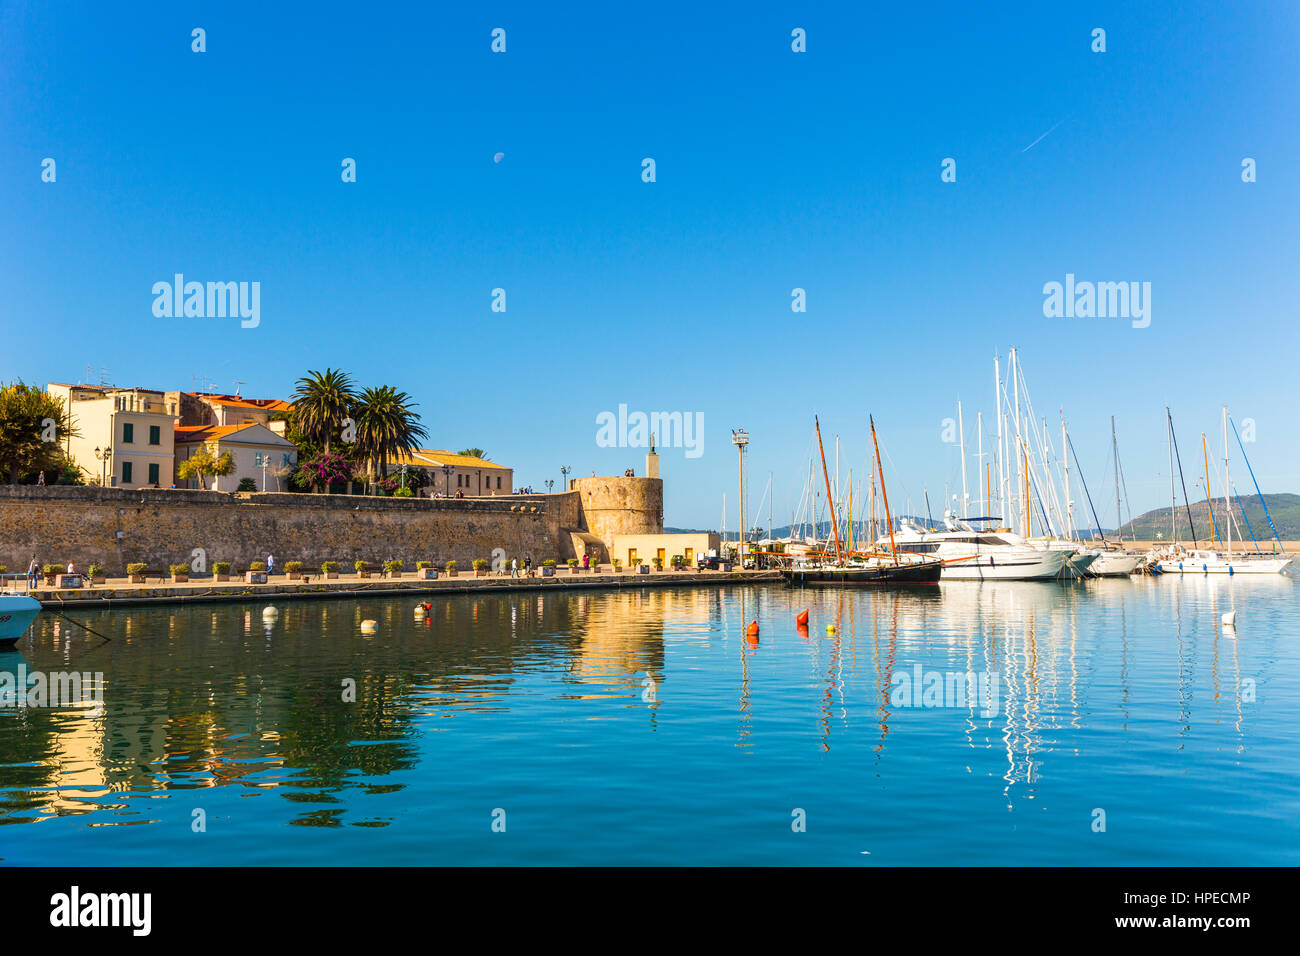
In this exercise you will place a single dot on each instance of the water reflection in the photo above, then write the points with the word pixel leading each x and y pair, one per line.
pixel 307 707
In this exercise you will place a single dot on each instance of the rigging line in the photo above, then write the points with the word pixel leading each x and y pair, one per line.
pixel 1086 493
pixel 1246 519
pixel 91 630
pixel 1186 504
pixel 1246 459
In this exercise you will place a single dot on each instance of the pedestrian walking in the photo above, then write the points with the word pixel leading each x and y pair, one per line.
pixel 270 564
pixel 33 573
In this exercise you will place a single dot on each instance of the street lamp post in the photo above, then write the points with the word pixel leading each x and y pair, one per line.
pixel 740 438
pixel 564 476
pixel 446 470
pixel 261 461
pixel 103 455
pixel 550 483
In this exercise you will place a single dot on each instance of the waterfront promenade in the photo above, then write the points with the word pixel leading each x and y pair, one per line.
pixel 122 592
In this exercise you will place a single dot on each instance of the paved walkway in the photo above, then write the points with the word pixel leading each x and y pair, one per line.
pixel 121 591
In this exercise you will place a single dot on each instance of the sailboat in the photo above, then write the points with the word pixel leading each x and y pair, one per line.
pixel 847 568
pixel 1209 561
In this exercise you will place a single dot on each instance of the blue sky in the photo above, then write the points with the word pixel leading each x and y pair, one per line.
pixel 775 170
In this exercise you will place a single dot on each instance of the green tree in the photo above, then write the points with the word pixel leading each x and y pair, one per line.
pixel 474 453
pixel 387 425
pixel 205 462
pixel 33 425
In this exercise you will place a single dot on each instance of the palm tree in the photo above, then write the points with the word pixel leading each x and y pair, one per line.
pixel 321 403
pixel 474 453
pixel 387 425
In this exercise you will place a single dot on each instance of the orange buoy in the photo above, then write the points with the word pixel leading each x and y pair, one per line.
pixel 802 618
pixel 802 629
pixel 753 628
pixel 752 641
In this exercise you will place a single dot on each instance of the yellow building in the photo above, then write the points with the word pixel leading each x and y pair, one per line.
pixel 258 453
pixel 125 434
pixel 457 474
pixel 633 549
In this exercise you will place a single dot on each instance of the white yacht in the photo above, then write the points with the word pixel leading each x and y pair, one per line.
pixel 1202 561
pixel 972 555
pixel 16 612
pixel 1116 564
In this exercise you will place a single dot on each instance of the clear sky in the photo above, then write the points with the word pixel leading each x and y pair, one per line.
pixel 775 170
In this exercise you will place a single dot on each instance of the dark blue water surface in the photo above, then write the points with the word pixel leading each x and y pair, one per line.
pixel 641 726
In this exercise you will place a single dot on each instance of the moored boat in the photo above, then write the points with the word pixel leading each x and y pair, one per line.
pixel 16 613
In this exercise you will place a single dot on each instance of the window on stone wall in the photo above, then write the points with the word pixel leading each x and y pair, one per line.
pixel 153 474
pixel 126 470
pixel 128 433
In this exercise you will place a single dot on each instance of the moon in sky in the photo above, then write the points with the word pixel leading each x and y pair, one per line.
pixel 498 157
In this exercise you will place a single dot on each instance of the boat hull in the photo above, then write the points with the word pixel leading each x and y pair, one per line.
pixel 1007 565
pixel 1223 566
pixel 1115 565
pixel 16 613
pixel 920 573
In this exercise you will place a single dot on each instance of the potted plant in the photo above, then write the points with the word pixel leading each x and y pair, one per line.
pixel 480 567
pixel 180 573
pixel 425 571
pixel 677 562
pixel 256 573
pixel 573 565
pixel 52 571
pixel 330 569
pixel 659 563
pixel 548 568
pixel 293 569
pixel 221 570
pixel 363 568
pixel 451 569
pixel 618 565
pixel 135 571
pixel 96 572
pixel 393 569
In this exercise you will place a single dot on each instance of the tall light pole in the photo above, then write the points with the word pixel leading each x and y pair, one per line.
pixel 550 483
pixel 564 477
pixel 103 455
pixel 740 438
pixel 446 470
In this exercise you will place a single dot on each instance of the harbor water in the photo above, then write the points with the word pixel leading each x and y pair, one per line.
pixel 1107 722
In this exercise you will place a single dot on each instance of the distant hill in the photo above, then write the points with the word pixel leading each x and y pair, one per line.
pixel 1285 509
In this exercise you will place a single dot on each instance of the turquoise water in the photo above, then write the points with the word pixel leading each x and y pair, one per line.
pixel 640 726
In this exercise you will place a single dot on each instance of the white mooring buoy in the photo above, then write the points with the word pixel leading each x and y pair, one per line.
pixel 1230 619
pixel 369 627
pixel 269 612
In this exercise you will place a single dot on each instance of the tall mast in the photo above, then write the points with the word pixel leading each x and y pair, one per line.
pixel 961 432
pixel 1002 452
pixel 850 518
pixel 1069 505
pixel 883 493
pixel 1209 499
pixel 1022 461
pixel 1114 444
pixel 979 459
pixel 1173 495
pixel 1227 502
pixel 1024 450
pixel 835 525
pixel 875 533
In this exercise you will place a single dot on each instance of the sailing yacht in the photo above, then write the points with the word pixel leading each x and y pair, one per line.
pixel 1209 561
pixel 971 555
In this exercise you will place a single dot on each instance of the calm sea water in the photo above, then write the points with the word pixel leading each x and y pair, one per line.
pixel 641 726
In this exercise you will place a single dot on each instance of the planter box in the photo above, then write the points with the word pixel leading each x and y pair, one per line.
pixel 180 578
pixel 452 573
pixel 295 575
pixel 99 580
pixel 331 575
pixel 363 574
pixel 67 580
pixel 617 569
pixel 137 579
pixel 427 574
pixel 479 572
pixel 222 577
pixel 254 577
